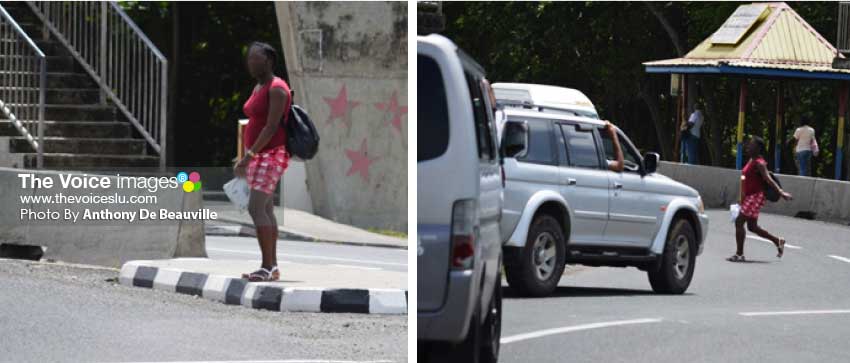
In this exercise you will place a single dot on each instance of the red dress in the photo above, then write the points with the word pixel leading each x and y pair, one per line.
pixel 266 169
pixel 753 189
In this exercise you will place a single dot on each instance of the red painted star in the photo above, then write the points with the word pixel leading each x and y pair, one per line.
pixel 360 161
pixel 394 109
pixel 340 106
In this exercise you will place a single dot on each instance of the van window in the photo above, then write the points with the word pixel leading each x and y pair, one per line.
pixel 432 124
pixel 539 143
pixel 483 119
pixel 630 158
pixel 581 148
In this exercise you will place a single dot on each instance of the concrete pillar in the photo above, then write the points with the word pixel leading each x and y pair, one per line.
pixel 780 135
pixel 839 150
pixel 742 108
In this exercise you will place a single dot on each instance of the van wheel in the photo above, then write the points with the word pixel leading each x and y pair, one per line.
pixel 535 269
pixel 492 328
pixel 676 267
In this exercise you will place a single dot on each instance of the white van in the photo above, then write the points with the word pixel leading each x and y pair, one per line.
pixel 545 98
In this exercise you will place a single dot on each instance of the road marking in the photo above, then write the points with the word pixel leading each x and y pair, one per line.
pixel 278 361
pixel 787 245
pixel 570 329
pixel 311 256
pixel 845 259
pixel 794 312
pixel 359 267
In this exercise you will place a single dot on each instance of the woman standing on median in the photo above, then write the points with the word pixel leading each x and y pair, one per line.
pixel 265 157
pixel 755 179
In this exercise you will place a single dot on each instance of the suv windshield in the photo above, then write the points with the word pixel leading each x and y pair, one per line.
pixel 432 123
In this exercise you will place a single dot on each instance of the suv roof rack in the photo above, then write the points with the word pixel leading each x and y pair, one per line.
pixel 532 106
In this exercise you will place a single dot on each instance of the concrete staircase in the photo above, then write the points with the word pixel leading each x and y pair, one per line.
pixel 80 132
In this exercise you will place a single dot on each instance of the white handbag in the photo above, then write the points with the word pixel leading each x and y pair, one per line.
pixel 734 210
pixel 238 192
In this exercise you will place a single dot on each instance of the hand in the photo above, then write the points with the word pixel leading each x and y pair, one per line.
pixel 786 196
pixel 609 127
pixel 240 166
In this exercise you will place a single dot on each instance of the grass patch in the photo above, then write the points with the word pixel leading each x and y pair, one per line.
pixel 388 232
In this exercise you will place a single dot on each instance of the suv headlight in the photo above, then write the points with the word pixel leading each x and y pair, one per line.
pixel 700 205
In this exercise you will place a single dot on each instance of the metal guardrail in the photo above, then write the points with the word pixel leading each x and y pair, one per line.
pixel 23 81
pixel 128 67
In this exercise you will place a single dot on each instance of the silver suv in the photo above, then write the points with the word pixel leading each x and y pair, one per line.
pixel 459 203
pixel 563 206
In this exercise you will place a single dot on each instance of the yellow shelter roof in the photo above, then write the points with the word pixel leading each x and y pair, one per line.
pixel 779 39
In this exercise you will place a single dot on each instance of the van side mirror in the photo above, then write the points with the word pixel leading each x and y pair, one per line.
pixel 515 139
pixel 650 162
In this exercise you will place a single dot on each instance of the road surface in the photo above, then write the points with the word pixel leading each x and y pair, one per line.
pixel 767 310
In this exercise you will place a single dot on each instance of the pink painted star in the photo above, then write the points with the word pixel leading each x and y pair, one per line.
pixel 394 109
pixel 360 161
pixel 340 106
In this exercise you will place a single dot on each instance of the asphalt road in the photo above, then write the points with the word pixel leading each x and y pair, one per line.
pixel 792 310
pixel 61 313
pixel 239 248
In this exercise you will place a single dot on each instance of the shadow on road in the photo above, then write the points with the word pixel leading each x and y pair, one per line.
pixel 570 291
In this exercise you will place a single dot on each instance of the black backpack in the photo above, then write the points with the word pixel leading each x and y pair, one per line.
pixel 302 139
pixel 770 193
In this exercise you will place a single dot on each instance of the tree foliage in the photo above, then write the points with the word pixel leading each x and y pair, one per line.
pixel 599 48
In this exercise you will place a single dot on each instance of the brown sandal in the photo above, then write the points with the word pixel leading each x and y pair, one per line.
pixel 781 247
pixel 263 275
pixel 736 258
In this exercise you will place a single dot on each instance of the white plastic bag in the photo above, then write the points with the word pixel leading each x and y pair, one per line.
pixel 238 192
pixel 734 209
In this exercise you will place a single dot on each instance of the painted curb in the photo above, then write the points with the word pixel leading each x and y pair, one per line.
pixel 260 295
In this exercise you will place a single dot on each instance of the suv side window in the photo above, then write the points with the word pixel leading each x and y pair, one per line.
pixel 630 158
pixel 483 119
pixel 432 116
pixel 581 147
pixel 540 149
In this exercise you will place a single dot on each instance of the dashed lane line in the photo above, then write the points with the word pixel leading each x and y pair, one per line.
pixel 574 328
pixel 794 312
pixel 845 259
pixel 787 245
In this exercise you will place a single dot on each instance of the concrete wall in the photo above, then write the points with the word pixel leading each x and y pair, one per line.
pixel 828 199
pixel 106 243
pixel 347 62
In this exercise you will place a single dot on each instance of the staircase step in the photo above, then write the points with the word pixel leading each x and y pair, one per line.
pixel 48 47
pixel 58 161
pixel 71 112
pixel 107 129
pixel 85 145
pixel 65 64
pixel 57 79
pixel 60 96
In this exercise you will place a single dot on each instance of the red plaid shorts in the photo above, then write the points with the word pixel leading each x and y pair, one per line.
pixel 265 169
pixel 752 205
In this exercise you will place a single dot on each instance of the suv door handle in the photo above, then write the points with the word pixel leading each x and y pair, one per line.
pixel 618 185
pixel 571 181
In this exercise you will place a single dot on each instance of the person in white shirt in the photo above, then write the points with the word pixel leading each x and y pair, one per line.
pixel 691 136
pixel 804 136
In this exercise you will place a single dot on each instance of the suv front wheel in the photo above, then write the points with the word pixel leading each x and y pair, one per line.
pixel 535 269
pixel 676 267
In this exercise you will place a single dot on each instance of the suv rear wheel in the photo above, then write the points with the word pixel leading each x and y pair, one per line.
pixel 676 267
pixel 535 269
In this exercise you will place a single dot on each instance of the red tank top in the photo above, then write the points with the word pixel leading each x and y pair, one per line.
pixel 257 110
pixel 754 182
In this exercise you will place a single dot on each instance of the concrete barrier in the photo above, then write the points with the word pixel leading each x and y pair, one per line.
pixel 827 199
pixel 106 243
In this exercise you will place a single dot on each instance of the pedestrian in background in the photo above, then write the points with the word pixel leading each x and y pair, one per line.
pixel 756 179
pixel 806 147
pixel 691 135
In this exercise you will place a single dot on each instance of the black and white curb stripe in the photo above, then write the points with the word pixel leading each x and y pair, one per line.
pixel 269 296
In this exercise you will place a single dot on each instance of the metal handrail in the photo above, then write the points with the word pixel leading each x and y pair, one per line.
pixel 23 69
pixel 129 69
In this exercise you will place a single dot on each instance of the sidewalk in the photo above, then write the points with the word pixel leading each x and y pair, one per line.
pixel 306 227
pixel 302 288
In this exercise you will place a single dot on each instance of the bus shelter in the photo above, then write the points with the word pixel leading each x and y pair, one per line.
pixel 766 41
